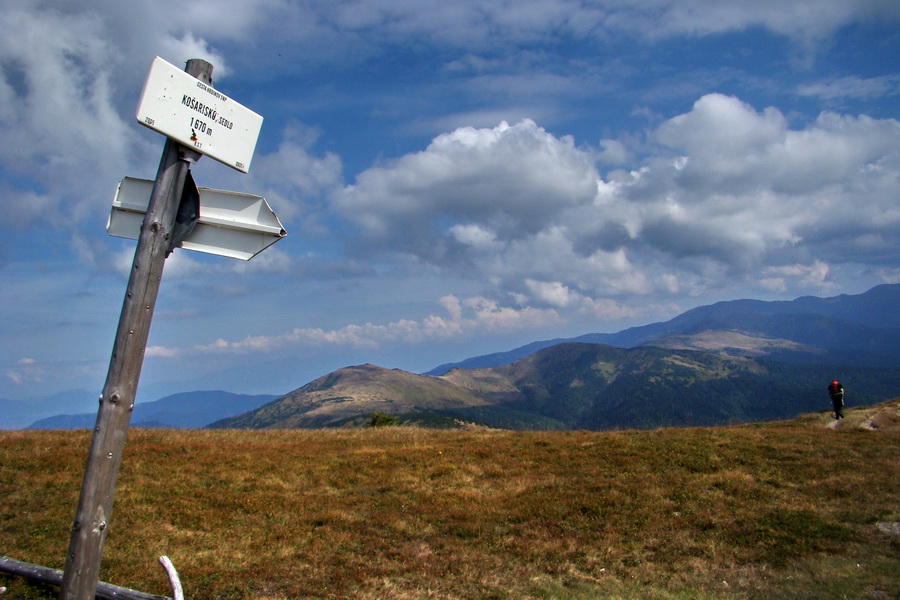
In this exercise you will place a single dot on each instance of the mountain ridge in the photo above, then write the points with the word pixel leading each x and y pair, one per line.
pixel 846 331
pixel 869 316
pixel 574 385
pixel 326 400
pixel 187 410
pixel 731 361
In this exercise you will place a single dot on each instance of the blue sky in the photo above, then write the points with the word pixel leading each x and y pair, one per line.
pixel 456 178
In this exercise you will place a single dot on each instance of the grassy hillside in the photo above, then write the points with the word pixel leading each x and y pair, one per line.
pixel 784 510
pixel 592 386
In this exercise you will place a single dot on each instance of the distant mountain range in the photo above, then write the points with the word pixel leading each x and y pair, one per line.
pixel 859 330
pixel 735 361
pixel 189 410
pixel 18 414
pixel 575 386
pixel 729 362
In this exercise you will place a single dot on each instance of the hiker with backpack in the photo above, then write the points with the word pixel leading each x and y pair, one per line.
pixel 836 390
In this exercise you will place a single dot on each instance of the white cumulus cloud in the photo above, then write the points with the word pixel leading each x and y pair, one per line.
pixel 464 317
pixel 728 190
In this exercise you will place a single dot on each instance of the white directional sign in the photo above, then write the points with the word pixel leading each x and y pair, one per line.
pixel 185 109
pixel 230 224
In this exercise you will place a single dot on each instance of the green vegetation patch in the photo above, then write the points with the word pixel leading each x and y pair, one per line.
pixel 781 535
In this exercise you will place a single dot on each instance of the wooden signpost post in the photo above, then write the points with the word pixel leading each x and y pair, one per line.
pixel 197 120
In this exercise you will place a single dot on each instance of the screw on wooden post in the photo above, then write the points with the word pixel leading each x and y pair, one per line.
pixel 94 512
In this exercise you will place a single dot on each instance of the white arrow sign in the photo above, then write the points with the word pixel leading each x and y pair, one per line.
pixel 185 109
pixel 230 224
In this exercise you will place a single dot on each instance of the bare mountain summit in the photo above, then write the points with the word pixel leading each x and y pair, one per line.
pixel 354 392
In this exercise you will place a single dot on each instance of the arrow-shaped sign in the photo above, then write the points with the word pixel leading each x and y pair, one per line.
pixel 230 224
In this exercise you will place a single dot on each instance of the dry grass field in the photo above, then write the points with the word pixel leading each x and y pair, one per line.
pixel 781 510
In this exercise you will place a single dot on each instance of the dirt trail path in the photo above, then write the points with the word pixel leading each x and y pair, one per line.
pixel 880 417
